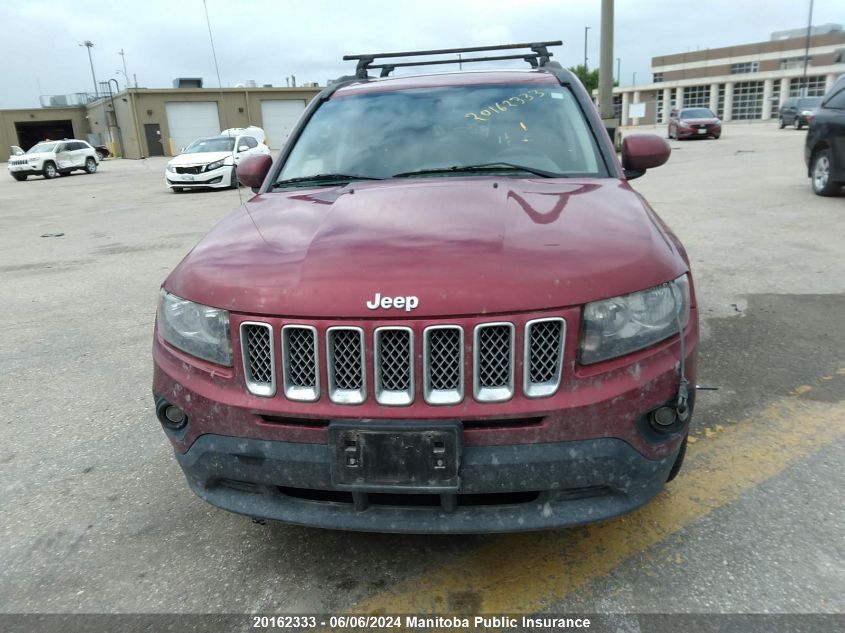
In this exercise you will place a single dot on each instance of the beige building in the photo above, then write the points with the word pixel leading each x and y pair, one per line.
pixel 142 122
pixel 743 82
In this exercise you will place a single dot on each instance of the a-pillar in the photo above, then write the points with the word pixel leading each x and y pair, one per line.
pixel 729 101
pixel 767 99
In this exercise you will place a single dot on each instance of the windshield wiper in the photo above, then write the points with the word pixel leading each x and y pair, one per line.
pixel 482 167
pixel 322 178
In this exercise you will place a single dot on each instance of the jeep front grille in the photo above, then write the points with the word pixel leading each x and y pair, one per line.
pixel 259 358
pixel 300 362
pixel 345 356
pixel 393 358
pixel 443 364
pixel 543 356
pixel 493 362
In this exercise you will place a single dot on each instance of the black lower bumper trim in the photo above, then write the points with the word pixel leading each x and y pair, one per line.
pixel 502 488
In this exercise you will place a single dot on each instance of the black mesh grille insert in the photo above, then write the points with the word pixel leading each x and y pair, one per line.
pixel 345 358
pixel 394 360
pixel 445 359
pixel 259 354
pixel 300 363
pixel 494 356
pixel 544 351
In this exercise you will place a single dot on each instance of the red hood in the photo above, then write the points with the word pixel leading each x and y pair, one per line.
pixel 461 245
pixel 709 120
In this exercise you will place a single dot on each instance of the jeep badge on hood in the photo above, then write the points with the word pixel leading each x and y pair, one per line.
pixel 409 303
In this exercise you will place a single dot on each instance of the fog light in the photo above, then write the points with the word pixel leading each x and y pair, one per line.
pixel 170 415
pixel 175 415
pixel 664 416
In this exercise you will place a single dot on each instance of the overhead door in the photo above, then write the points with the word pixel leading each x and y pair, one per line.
pixel 189 120
pixel 278 117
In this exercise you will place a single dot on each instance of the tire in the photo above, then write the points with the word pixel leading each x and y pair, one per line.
pixel 19 177
pixel 716 137
pixel 100 155
pixel 50 170
pixel 781 123
pixel 797 123
pixel 820 175
pixel 90 165
pixel 679 461
pixel 233 179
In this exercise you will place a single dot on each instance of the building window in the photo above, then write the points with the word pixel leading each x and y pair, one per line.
pixel 659 106
pixel 617 106
pixel 775 99
pixel 744 67
pixel 789 63
pixel 815 87
pixel 697 97
pixel 657 78
pixel 720 102
pixel 748 100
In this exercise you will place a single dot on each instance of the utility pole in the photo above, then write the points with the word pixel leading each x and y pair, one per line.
pixel 807 52
pixel 125 74
pixel 619 70
pixel 586 28
pixel 606 60
pixel 89 45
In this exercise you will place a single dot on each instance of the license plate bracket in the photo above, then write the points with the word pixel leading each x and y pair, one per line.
pixel 395 456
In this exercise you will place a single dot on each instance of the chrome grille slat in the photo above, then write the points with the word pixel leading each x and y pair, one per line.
pixel 258 352
pixel 300 362
pixel 493 362
pixel 443 364
pixel 393 357
pixel 543 356
pixel 345 357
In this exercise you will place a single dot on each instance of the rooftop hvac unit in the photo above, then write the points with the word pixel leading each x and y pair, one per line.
pixel 187 82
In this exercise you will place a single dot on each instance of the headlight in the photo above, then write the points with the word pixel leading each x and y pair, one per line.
pixel 215 165
pixel 170 167
pixel 199 330
pixel 625 324
pixel 806 112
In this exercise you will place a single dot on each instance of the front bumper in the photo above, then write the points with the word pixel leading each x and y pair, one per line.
pixel 502 488
pixel 710 130
pixel 30 168
pixel 220 177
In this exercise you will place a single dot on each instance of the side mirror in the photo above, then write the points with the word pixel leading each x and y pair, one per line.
pixel 641 152
pixel 253 170
pixel 243 148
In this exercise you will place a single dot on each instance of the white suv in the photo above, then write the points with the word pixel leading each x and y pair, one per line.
pixel 54 158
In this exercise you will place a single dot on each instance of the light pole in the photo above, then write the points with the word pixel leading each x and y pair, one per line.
pixel 89 45
pixel 125 74
pixel 619 70
pixel 807 52
pixel 586 28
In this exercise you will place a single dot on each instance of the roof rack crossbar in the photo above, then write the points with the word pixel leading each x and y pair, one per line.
pixel 540 55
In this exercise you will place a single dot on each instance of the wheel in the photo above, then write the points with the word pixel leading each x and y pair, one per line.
pixel 19 177
pixel 90 165
pixel 100 155
pixel 797 123
pixel 233 179
pixel 716 136
pixel 50 170
pixel 820 174
pixel 781 123
pixel 679 461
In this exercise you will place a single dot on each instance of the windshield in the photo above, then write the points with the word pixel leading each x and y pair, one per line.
pixel 216 144
pixel 41 147
pixel 697 113
pixel 379 135
pixel 810 102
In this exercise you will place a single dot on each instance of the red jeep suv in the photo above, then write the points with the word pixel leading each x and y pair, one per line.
pixel 445 310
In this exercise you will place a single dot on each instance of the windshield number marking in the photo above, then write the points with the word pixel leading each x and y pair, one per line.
pixel 502 106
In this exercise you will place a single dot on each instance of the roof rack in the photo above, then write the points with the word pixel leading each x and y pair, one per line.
pixel 539 56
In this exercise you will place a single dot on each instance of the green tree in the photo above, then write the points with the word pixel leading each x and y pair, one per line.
pixel 591 80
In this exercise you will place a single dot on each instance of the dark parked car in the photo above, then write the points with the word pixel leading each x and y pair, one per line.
pixel 824 150
pixel 445 310
pixel 694 123
pixel 798 111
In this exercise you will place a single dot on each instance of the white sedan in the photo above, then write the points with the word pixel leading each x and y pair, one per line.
pixel 211 162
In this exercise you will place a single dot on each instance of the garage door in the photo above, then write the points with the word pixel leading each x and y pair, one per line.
pixel 278 118
pixel 190 120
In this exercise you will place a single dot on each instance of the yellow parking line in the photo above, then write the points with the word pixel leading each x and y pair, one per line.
pixel 523 573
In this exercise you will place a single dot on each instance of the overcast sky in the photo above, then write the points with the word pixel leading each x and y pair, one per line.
pixel 269 40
